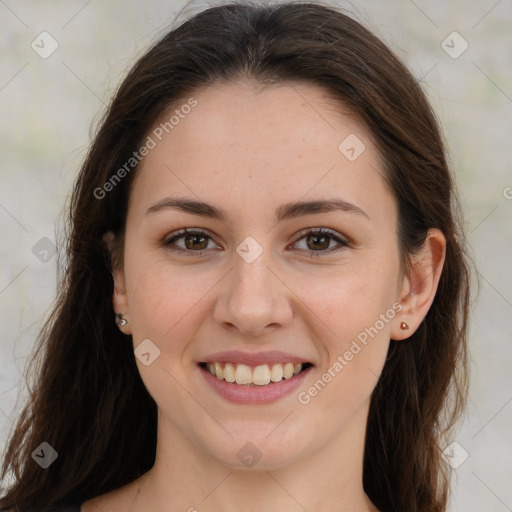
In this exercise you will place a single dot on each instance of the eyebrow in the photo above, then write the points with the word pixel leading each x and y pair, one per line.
pixel 284 212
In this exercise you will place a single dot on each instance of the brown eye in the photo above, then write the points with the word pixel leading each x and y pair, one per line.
pixel 194 242
pixel 318 241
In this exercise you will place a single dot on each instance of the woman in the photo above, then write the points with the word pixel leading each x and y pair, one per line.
pixel 266 301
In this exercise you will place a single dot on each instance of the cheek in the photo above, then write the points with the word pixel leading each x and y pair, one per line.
pixel 345 301
pixel 353 312
pixel 161 302
pixel 166 303
pixel 354 343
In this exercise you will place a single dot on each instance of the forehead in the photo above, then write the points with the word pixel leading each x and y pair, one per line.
pixel 251 145
pixel 246 116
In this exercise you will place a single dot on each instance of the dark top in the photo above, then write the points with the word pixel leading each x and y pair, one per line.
pixel 74 507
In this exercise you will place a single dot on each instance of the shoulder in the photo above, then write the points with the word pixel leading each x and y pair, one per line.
pixel 73 507
pixel 117 500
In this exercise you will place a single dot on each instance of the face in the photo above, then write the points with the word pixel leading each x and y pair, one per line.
pixel 264 283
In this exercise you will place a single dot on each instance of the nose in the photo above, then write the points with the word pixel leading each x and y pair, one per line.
pixel 254 299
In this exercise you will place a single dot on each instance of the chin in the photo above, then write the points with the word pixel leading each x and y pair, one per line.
pixel 256 449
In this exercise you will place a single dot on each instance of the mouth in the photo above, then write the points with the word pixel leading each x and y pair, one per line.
pixel 239 374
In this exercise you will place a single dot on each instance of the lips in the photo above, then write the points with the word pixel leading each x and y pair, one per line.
pixel 253 373
pixel 254 359
pixel 251 393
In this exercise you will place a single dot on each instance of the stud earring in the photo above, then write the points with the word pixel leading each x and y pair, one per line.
pixel 120 320
pixel 404 326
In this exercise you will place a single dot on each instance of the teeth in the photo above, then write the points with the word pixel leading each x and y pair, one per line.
pixel 229 372
pixel 277 373
pixel 260 376
pixel 243 374
pixel 219 372
pixel 288 370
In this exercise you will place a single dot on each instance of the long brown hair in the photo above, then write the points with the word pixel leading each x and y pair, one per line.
pixel 89 402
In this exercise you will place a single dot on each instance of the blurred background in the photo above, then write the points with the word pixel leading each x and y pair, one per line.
pixel 60 63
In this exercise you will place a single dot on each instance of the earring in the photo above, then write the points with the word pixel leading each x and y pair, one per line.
pixel 120 320
pixel 404 326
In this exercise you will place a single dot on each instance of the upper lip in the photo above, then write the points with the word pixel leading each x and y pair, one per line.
pixel 254 359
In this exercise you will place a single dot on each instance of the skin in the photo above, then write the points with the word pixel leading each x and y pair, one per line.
pixel 248 150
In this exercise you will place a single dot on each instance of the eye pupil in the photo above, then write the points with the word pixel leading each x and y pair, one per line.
pixel 317 245
pixel 195 238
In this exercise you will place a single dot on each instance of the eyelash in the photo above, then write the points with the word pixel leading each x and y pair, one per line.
pixel 307 232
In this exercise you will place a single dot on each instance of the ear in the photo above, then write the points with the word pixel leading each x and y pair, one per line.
pixel 119 297
pixel 419 287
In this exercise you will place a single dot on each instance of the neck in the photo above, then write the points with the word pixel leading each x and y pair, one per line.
pixel 185 478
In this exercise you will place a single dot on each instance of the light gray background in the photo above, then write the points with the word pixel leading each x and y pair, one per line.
pixel 47 106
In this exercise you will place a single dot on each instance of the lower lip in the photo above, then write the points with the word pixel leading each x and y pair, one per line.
pixel 242 394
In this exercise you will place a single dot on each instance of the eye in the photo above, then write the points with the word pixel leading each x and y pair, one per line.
pixel 319 240
pixel 193 239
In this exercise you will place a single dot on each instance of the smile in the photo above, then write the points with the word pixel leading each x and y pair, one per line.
pixel 261 375
pixel 256 383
